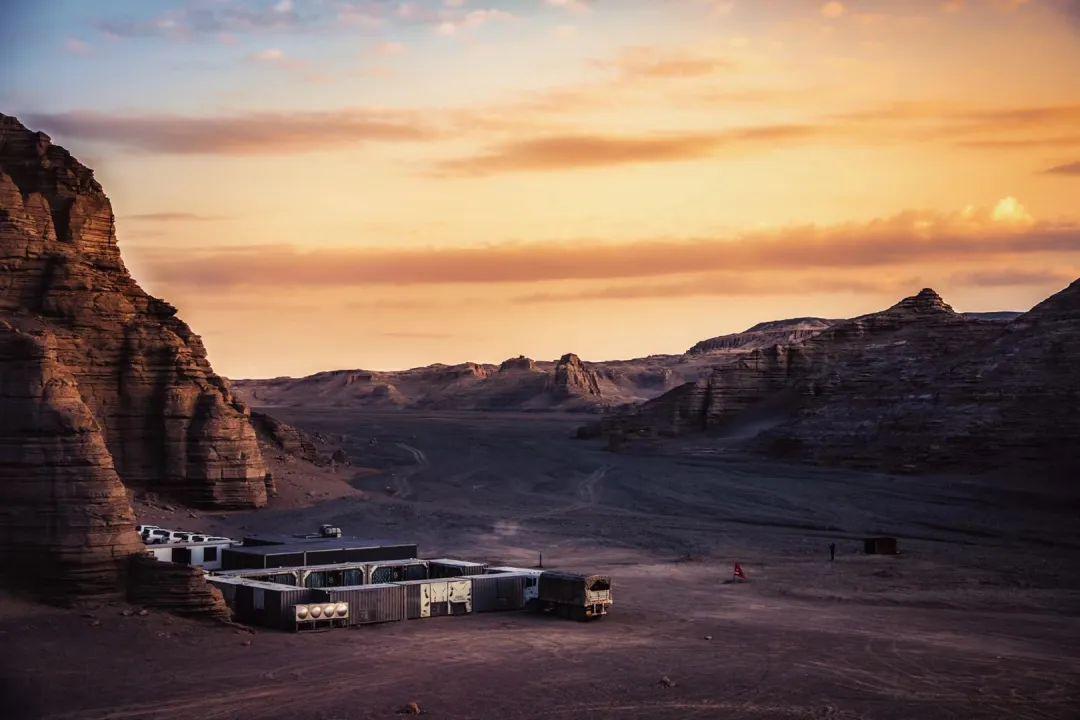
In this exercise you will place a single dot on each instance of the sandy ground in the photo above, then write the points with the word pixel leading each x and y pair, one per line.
pixel 978 618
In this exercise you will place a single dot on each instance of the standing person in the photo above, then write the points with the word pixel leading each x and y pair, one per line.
pixel 832 552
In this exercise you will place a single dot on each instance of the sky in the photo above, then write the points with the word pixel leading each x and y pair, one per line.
pixel 329 184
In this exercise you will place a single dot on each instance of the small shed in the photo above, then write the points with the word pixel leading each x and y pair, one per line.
pixel 881 546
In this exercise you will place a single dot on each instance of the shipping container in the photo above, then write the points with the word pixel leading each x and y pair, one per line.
pixel 227 586
pixel 445 568
pixel 266 604
pixel 532 582
pixel 435 598
pixel 279 576
pixel 397 571
pixel 206 555
pixel 331 576
pixel 370 604
pixel 493 592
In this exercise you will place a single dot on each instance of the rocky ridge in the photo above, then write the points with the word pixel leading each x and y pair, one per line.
pixel 521 383
pixel 103 386
pixel 914 387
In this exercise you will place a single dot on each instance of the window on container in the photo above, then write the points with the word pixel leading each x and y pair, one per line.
pixel 209 554
pixel 258 599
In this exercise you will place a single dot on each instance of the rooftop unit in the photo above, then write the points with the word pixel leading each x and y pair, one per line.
pixel 315 552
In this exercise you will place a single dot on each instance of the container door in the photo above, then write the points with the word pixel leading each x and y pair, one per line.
pixel 425 600
pixel 459 595
pixel 440 598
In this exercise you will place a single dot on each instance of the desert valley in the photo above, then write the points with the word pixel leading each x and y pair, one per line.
pixel 540 359
pixel 954 433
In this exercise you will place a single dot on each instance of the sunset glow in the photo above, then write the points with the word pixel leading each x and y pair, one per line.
pixel 372 184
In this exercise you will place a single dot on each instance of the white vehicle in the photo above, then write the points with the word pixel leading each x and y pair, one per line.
pixel 157 536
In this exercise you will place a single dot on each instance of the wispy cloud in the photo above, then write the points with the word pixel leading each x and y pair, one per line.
pixel 578 151
pixel 654 62
pixel 246 134
pixel 907 238
pixel 1066 169
pixel 174 217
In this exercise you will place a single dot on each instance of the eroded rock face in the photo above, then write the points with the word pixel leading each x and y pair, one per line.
pixel 763 335
pixel 65 522
pixel 572 379
pixel 915 387
pixel 169 422
pixel 181 589
pixel 103 385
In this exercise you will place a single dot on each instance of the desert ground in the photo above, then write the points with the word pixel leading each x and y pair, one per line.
pixel 979 617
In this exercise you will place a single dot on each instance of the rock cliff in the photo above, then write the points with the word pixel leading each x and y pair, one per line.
pixel 103 385
pixel 571 379
pixel 762 335
pixel 915 387
pixel 65 522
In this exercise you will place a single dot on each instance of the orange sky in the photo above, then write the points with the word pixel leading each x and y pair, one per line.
pixel 382 185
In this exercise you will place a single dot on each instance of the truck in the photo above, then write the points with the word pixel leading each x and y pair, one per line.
pixel 578 597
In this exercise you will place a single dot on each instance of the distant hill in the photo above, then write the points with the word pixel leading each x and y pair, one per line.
pixel 915 387
pixel 567 384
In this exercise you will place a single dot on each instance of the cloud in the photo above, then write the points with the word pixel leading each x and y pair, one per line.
pixel 247 134
pixel 905 239
pixel 652 62
pixel 174 217
pixel 710 285
pixel 1009 210
pixel 832 9
pixel 210 19
pixel 574 6
pixel 561 152
pixel 979 128
pixel 75 46
pixel 470 20
pixel 1066 169
pixel 1010 277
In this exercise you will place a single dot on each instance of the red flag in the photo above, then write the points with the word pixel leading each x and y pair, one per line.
pixel 739 574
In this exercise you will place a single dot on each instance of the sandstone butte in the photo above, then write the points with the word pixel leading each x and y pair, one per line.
pixel 103 388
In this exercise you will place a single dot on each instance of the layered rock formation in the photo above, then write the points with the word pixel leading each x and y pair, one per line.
pixel 763 335
pixel 100 380
pixel 915 387
pixel 313 448
pixel 518 383
pixel 180 589
pixel 571 379
pixel 65 521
